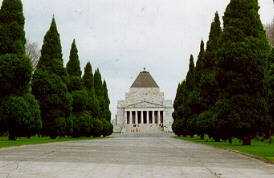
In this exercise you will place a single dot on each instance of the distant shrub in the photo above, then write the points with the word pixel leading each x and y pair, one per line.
pixel 20 116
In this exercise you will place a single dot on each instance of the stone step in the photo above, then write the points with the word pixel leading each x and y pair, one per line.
pixel 159 134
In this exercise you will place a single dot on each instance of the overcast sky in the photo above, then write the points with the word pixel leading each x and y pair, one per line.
pixel 123 36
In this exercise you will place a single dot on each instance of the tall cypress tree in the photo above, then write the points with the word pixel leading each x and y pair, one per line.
pixel 207 67
pixel 269 87
pixel 51 52
pixel 80 116
pixel 98 84
pixel 49 87
pixel 241 63
pixel 177 100
pixel 183 112
pixel 190 77
pixel 194 104
pixel 19 111
pixel 213 43
pixel 106 102
pixel 190 97
pixel 99 92
pixel 15 67
pixel 73 65
pixel 206 81
pixel 88 77
pixel 74 70
pixel 88 80
pixel 200 59
pixel 179 125
pixel 12 34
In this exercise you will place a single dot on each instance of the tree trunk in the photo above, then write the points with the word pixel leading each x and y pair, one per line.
pixel 202 137
pixel 230 140
pixel 246 141
pixel 217 139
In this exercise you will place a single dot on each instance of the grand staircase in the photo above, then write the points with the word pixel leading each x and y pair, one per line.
pixel 158 134
pixel 143 128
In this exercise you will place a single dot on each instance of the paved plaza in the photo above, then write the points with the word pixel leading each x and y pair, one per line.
pixel 127 157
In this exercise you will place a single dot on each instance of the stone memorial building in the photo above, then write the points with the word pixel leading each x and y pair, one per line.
pixel 144 108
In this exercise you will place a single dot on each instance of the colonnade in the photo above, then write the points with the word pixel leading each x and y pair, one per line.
pixel 144 117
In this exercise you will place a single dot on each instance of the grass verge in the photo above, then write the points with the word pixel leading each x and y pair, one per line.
pixel 4 142
pixel 259 149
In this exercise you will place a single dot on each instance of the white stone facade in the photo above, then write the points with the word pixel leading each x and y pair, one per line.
pixel 144 110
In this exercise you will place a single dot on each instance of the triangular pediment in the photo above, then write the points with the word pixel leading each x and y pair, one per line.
pixel 145 104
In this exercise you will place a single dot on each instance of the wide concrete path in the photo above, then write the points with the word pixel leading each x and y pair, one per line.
pixel 128 157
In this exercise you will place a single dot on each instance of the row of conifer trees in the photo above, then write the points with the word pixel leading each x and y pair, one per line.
pixel 51 100
pixel 229 92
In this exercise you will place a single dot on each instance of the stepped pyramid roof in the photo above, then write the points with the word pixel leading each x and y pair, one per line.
pixel 144 80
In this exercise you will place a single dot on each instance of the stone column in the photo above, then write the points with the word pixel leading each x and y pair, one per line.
pixel 125 117
pixel 130 117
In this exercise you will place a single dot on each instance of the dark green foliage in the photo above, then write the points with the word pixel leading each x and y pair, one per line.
pixel 97 128
pixel 35 122
pixel 60 126
pixel 206 69
pixel 88 77
pixel 93 104
pixel 88 80
pixel 101 93
pixel 49 86
pixel 212 45
pixel 98 84
pixel 229 93
pixel 12 34
pixel 19 111
pixel 69 126
pixel 75 83
pixel 192 105
pixel 177 127
pixel 269 87
pixel 73 65
pixel 21 116
pixel 55 101
pixel 190 77
pixel 200 61
pixel 107 113
pixel 185 103
pixel 86 107
pixel 80 117
pixel 15 74
pixel 244 51
pixel 206 88
pixel 51 53
pixel 82 124
pixel 74 71
pixel 80 100
pixel 107 128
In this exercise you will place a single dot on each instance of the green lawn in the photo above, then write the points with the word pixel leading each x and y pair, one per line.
pixel 4 142
pixel 259 149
